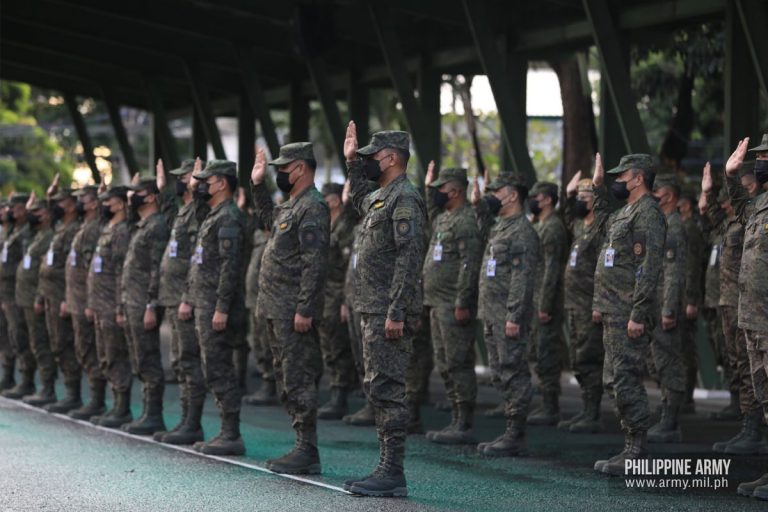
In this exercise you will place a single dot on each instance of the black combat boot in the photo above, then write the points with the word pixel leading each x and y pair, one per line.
pixel 151 420
pixel 304 459
pixel 462 432
pixel 452 425
pixel 8 380
pixel 24 388
pixel 751 489
pixel 362 418
pixel 190 432
pixel 635 448
pixel 95 405
pixel 70 401
pixel 184 399
pixel 548 413
pixel 266 394
pixel 336 408
pixel 228 442
pixel 590 422
pixel 667 430
pixel 348 483
pixel 730 412
pixel 120 413
pixel 511 443
pixel 388 479
pixel 749 440
pixel 44 396
pixel 600 464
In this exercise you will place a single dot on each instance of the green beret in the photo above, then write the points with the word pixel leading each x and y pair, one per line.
pixel 332 188
pixel 387 139
pixel 543 187
pixel 294 151
pixel 187 166
pixel 763 144
pixel 640 161
pixel 506 179
pixel 218 168
pixel 450 174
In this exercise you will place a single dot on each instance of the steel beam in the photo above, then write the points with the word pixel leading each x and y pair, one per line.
pixel 113 108
pixel 202 100
pixel 82 134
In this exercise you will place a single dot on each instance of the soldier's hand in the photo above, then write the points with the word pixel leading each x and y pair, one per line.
pixel 475 195
pixel 734 162
pixel 102 186
pixel 350 142
pixel 430 176
pixel 344 313
pixel 160 174
pixel 259 170
pixel 706 179
pixel 302 323
pixel 462 315
pixel 185 312
pixel 89 315
pixel 197 167
pixel 598 177
pixel 393 330
pixel 597 317
pixel 691 312
pixel 573 186
pixel 120 319
pixel 39 308
pixel 136 179
pixel 345 192
pixel 63 310
pixel 544 317
pixel 150 319
pixel 512 330
pixel 668 322
pixel 634 329
pixel 241 198
pixel 219 322
pixel 31 200
pixel 54 186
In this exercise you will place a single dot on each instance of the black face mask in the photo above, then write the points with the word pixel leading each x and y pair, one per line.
pixel 372 169
pixel 9 218
pixel 106 212
pixel 201 192
pixel 619 190
pixel 181 188
pixel 137 202
pixel 494 204
pixel 34 221
pixel 581 209
pixel 761 171
pixel 533 205
pixel 283 182
pixel 440 198
pixel 80 208
pixel 57 213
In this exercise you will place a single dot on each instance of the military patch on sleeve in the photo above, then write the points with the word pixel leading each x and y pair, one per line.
pixel 637 249
pixel 516 261
pixel 403 227
pixel 462 245
pixel 309 238
pixel 670 254
pixel 402 212
pixel 226 243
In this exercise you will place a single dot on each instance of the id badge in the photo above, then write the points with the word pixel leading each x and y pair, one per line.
pixel 354 261
pixel 490 271
pixel 173 248
pixel 610 253
pixel 49 258
pixel 437 253
pixel 4 254
pixel 73 257
pixel 713 255
pixel 97 264
pixel 199 255
pixel 27 262
pixel 573 257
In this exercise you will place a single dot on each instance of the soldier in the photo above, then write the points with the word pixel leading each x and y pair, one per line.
pixel 586 213
pixel 174 267
pixel 547 334
pixel 79 258
pixel 626 277
pixel 14 246
pixel 666 339
pixel 215 296
pixel 388 292
pixel 104 299
pixel 140 315
pixel 451 268
pixel 293 270
pixel 334 336
pixel 506 306
pixel 6 349
pixel 28 298
pixel 52 288
pixel 753 281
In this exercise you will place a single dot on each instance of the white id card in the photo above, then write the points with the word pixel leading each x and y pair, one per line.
pixel 354 260
pixel 97 264
pixel 4 254
pixel 490 271
pixel 199 255
pixel 437 253
pixel 609 255
pixel 73 257
pixel 49 258
pixel 27 262
pixel 713 255
pixel 573 257
pixel 173 248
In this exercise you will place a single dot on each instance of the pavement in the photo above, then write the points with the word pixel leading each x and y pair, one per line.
pixel 50 462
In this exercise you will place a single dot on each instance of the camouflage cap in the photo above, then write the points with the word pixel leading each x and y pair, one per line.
pixel 332 188
pixel 585 185
pixel 666 180
pixel 4 202
pixel 387 139
pixel 543 187
pixel 722 195
pixel 61 194
pixel 18 197
pixel 294 151
pixel 637 161
pixel 187 166
pixel 763 144
pixel 506 179
pixel 39 204
pixel 450 174
pixel 88 189
pixel 217 168
pixel 146 182
pixel 119 191
pixel 747 169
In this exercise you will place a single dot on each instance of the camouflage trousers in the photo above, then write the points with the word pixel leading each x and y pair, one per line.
pixel 713 318
pixel 386 363
pixel 216 353
pixel 510 373
pixel 757 349
pixel 421 364
pixel 738 357
pixel 548 341
pixel 336 349
pixel 667 354
pixel 585 346
pixel 356 341
pixel 144 347
pixel 689 353
pixel 112 349
pixel 7 357
pixel 260 349
pixel 623 372
pixel 62 338
pixel 41 344
pixel 454 352
pixel 298 368
pixel 18 337
pixel 185 359
pixel 85 348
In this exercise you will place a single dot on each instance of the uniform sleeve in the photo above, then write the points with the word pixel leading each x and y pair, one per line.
pixel 359 186
pixel 650 226
pixel 714 213
pixel 432 210
pixel 695 266
pixel 314 236
pixel 740 199
pixel 229 236
pixel 470 255
pixel 552 241
pixel 160 235
pixel 675 251
pixel 168 205
pixel 484 220
pixel 523 279
pixel 262 203
pixel 408 223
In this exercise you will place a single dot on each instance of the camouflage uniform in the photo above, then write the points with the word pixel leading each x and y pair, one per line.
pixel 696 252
pixel 547 338
pixel 391 250
pixel 258 335
pixel 451 268
pixel 291 279
pixel 7 357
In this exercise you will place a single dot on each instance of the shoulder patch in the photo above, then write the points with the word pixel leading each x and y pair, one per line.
pixel 403 227
pixel 309 238
pixel 402 212
pixel 637 249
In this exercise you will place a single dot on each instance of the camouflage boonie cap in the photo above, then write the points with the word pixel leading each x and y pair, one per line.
pixel 332 188
pixel 543 187
pixel 763 144
pixel 506 179
pixel 39 204
pixel 217 168
pixel 187 166
pixel 63 193
pixel 387 139
pixel 18 197
pixel 450 174
pixel 585 185
pixel 666 180
pixel 636 161
pixel 747 169
pixel 119 191
pixel 292 152
pixel 723 195
pixel 146 182
pixel 89 189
